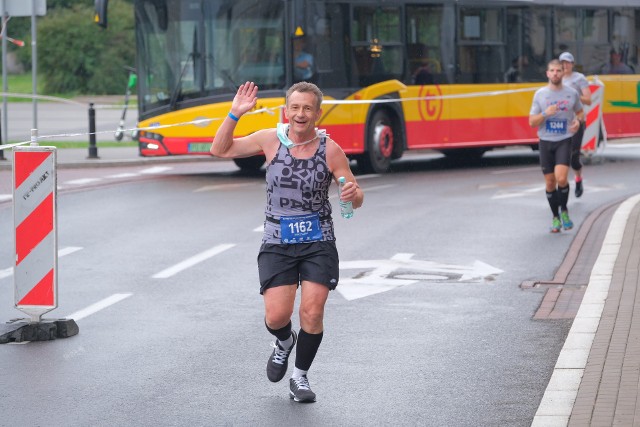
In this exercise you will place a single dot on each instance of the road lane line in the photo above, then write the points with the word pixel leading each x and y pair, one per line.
pixel 68 250
pixel 100 305
pixel 190 262
pixel 156 169
pixel 88 311
pixel 82 181
pixel 123 175
pixel 223 186
pixel 62 252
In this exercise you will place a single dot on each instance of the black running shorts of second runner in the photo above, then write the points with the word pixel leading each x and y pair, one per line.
pixel 288 264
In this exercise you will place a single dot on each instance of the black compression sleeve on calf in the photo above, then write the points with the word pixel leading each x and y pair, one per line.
pixel 552 197
pixel 282 334
pixel 306 349
pixel 564 197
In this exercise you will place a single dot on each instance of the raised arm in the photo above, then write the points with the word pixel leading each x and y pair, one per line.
pixel 224 144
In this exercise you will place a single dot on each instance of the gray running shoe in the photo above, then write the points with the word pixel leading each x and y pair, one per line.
pixel 300 391
pixel 279 360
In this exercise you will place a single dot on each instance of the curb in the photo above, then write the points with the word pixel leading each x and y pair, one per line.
pixel 559 397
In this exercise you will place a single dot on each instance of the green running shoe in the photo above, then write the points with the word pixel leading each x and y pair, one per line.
pixel 556 226
pixel 566 221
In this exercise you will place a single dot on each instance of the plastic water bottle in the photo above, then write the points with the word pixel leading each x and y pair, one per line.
pixel 346 208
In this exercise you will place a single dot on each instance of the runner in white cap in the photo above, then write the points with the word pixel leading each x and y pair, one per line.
pixel 579 82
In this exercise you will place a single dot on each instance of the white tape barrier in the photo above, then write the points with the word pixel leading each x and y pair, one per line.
pixel 272 110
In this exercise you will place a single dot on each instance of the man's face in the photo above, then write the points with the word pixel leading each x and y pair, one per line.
pixel 567 66
pixel 615 58
pixel 555 73
pixel 302 112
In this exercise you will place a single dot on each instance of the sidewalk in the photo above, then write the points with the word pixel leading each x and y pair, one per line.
pixel 597 375
pixel 107 156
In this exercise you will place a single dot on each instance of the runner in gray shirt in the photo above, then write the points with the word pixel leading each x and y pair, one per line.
pixel 579 82
pixel 557 112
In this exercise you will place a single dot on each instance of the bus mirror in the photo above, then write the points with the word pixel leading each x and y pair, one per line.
pixel 100 16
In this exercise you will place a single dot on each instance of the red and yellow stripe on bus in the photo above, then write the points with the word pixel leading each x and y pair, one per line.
pixel 435 117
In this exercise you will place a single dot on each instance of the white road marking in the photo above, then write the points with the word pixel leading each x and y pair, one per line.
pixel 509 194
pixel 82 181
pixel 190 262
pixel 61 252
pixel 156 169
pixel 223 186
pixel 88 311
pixel 68 250
pixel 516 170
pixel 123 175
pixel 100 305
pixel 380 278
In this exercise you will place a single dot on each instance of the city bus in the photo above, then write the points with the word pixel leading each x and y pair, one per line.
pixel 456 76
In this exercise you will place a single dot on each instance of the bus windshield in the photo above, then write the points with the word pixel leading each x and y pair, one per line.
pixel 190 50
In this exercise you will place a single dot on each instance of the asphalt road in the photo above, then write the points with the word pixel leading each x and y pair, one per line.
pixel 429 325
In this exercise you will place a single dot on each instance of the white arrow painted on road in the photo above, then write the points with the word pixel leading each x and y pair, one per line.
pixel 377 280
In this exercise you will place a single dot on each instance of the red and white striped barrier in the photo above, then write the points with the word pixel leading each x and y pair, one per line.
pixel 594 123
pixel 36 241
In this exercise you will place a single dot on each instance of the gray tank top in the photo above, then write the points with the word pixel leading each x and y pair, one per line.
pixel 298 187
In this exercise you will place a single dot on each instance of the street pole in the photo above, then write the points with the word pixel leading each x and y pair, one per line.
pixel 3 9
pixel 34 64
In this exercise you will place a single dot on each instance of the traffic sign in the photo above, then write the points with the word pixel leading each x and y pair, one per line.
pixel 18 8
pixel 34 214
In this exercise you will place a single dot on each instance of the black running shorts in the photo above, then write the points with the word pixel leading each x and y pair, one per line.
pixel 554 153
pixel 288 264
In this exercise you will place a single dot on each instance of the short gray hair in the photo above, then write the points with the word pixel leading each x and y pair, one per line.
pixel 303 87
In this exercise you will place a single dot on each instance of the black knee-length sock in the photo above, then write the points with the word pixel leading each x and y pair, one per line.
pixel 564 197
pixel 306 349
pixel 282 334
pixel 554 203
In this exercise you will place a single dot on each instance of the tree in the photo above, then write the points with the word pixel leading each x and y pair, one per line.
pixel 76 55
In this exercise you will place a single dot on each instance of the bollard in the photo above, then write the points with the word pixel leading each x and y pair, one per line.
pixel 93 149
pixel 36 242
pixel 593 120
pixel 34 216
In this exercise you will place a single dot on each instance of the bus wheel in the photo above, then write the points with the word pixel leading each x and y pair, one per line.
pixel 380 140
pixel 251 164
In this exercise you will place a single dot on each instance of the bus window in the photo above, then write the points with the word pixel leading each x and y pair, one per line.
pixel 481 57
pixel 595 46
pixel 425 44
pixel 377 44
pixel 328 43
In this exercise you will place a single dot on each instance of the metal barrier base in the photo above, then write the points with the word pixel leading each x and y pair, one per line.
pixel 21 330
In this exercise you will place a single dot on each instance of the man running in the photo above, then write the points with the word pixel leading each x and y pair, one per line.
pixel 298 245
pixel 578 82
pixel 557 112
